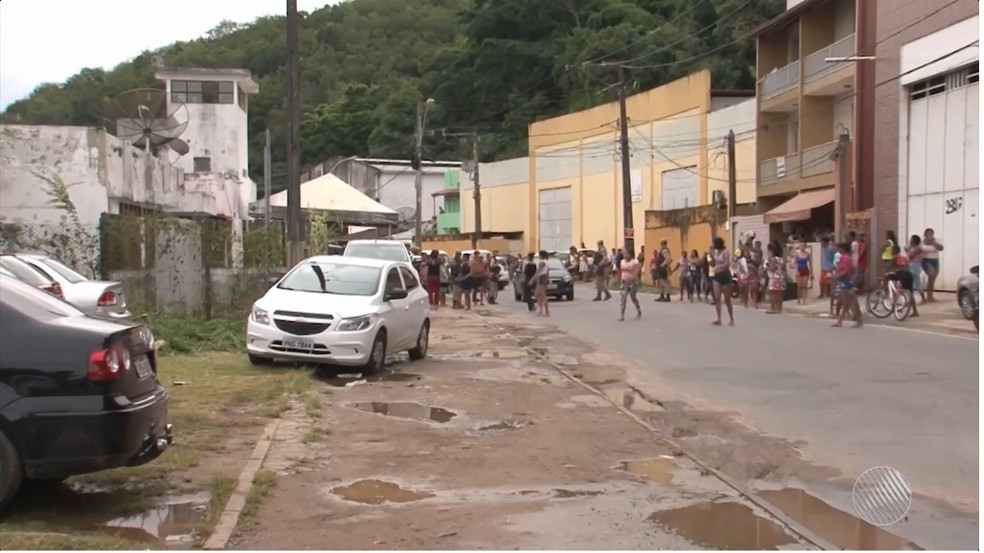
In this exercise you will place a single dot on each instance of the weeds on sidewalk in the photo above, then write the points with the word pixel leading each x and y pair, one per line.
pixel 219 405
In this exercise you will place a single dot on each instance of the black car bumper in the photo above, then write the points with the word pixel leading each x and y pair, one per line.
pixel 57 445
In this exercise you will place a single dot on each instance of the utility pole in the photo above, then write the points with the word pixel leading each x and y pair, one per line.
pixel 844 172
pixel 418 180
pixel 732 187
pixel 623 127
pixel 295 223
pixel 267 178
pixel 476 195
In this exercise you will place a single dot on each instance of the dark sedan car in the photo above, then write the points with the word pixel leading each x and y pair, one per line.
pixel 561 283
pixel 77 394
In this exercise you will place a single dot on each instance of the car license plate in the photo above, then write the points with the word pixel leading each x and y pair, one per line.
pixel 552 287
pixel 298 344
pixel 143 367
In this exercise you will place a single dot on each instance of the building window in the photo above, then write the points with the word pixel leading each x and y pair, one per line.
pixel 203 92
pixel 203 165
pixel 941 83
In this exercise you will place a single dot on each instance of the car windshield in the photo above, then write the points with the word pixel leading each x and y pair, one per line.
pixel 555 264
pixel 332 278
pixel 387 252
pixel 63 270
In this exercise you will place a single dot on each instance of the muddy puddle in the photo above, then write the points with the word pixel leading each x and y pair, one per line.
pixel 659 470
pixel 569 494
pixel 172 523
pixel 505 425
pixel 406 410
pixel 838 527
pixel 341 380
pixel 375 492
pixel 726 526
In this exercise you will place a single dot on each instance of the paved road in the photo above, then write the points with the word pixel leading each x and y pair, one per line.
pixel 858 398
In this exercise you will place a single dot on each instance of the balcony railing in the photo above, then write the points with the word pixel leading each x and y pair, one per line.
pixel 814 65
pixel 778 169
pixel 779 81
pixel 818 160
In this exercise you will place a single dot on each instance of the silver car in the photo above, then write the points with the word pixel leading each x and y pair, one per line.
pixel 967 294
pixel 93 297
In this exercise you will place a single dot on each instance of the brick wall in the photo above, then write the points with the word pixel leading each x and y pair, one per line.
pixel 893 18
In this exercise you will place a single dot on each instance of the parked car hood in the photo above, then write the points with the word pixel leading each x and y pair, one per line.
pixel 277 299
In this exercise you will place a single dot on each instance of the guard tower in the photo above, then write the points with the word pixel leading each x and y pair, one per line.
pixel 218 105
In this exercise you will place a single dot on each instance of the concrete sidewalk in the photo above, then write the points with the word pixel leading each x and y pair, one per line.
pixel 944 315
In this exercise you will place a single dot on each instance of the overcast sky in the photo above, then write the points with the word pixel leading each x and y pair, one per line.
pixel 51 40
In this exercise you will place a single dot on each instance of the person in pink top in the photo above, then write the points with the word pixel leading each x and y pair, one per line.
pixel 629 269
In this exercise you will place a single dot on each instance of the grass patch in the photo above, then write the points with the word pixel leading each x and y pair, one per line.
pixel 221 489
pixel 184 335
pixel 315 435
pixel 312 406
pixel 54 541
pixel 263 484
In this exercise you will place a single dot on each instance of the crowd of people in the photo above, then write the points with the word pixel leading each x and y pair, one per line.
pixel 749 274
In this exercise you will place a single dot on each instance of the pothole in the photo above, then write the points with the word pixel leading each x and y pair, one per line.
pixel 342 380
pixel 506 425
pixel 173 522
pixel 839 528
pixel 726 526
pixel 659 470
pixel 375 492
pixel 406 410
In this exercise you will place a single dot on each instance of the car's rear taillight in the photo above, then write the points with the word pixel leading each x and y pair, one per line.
pixel 107 298
pixel 108 363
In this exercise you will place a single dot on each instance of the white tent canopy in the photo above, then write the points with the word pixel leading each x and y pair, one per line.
pixel 329 192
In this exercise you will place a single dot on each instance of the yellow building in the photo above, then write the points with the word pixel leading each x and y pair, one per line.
pixel 570 192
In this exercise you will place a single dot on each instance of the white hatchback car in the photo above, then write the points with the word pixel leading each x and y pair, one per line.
pixel 339 310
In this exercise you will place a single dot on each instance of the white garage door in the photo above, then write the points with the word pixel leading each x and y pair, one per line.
pixel 679 188
pixel 555 219
pixel 943 170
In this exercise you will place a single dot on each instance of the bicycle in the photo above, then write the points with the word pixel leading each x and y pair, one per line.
pixel 889 299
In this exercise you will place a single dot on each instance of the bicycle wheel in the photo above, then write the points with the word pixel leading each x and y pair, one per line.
pixel 901 307
pixel 877 304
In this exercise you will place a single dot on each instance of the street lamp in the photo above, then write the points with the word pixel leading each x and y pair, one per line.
pixel 422 108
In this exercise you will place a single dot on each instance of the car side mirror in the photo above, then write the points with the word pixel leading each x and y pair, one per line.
pixel 396 294
pixel 974 269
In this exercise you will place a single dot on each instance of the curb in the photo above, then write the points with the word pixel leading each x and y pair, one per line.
pixel 237 501
pixel 792 525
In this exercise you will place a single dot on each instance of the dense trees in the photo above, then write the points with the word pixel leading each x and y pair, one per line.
pixel 494 64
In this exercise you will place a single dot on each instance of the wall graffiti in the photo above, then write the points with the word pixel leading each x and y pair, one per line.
pixel 953 205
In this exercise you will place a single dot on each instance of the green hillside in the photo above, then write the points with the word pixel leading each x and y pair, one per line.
pixel 495 64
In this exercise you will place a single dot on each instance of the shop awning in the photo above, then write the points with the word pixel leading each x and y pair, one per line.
pixel 799 208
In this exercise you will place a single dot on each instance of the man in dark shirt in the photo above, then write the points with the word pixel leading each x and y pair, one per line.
pixel 529 271
pixel 601 275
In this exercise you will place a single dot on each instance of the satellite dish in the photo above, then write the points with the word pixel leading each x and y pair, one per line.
pixel 179 147
pixel 405 214
pixel 146 119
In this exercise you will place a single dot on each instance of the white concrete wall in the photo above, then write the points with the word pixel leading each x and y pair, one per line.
pixel 100 172
pixel 500 173
pixel 934 46
pixel 397 187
